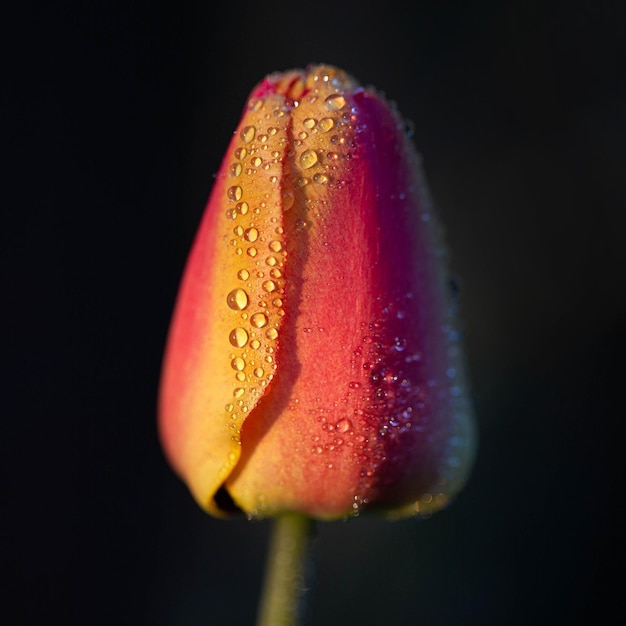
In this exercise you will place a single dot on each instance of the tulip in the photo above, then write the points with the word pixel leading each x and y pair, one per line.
pixel 313 363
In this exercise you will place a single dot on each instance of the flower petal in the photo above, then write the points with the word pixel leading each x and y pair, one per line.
pixel 368 406
pixel 218 360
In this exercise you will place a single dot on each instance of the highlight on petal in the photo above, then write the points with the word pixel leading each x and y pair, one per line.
pixel 313 363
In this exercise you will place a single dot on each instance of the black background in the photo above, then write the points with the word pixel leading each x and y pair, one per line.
pixel 115 120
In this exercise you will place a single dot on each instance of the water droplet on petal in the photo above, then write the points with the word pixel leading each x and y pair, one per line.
pixel 258 320
pixel 243 274
pixel 247 134
pixel 272 333
pixel 326 124
pixel 276 246
pixel 235 193
pixel 251 235
pixel 334 102
pixel 238 337
pixel 308 159
pixel 238 363
pixel 269 286
pixel 343 425
pixel 288 199
pixel 237 299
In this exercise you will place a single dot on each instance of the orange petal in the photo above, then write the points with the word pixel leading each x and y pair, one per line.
pixel 218 361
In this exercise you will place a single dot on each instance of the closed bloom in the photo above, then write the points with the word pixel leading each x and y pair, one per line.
pixel 313 364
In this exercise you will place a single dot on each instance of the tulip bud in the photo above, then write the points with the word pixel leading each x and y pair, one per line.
pixel 313 364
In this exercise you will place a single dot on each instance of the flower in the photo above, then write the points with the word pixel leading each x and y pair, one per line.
pixel 313 364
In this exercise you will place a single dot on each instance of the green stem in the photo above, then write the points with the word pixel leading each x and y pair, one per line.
pixel 284 583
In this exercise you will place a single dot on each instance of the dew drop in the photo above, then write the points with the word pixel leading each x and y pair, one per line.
pixel 247 134
pixel 243 274
pixel 235 193
pixel 277 302
pixel 326 124
pixel 241 153
pixel 320 179
pixel 399 344
pixel 255 344
pixel 229 407
pixel 309 123
pixel 258 320
pixel 272 333
pixel 239 392
pixel 235 169
pixel 257 162
pixel 308 159
pixel 258 372
pixel 238 337
pixel 275 272
pixel 343 425
pixel 302 135
pixel 237 299
pixel 269 286
pixel 276 246
pixel 334 102
pixel 288 199
pixel 251 251
pixel 251 235
pixel 243 208
pixel 256 105
pixel 271 261
pixel 238 364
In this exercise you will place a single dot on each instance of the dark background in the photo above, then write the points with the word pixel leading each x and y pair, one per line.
pixel 115 120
